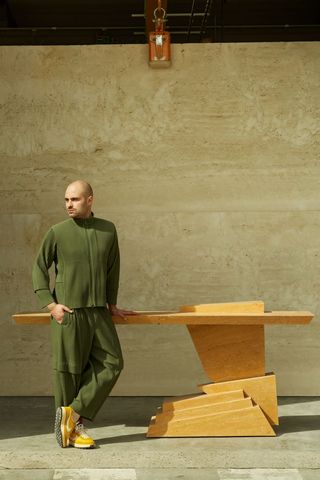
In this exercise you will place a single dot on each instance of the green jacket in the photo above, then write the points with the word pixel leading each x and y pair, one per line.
pixel 87 264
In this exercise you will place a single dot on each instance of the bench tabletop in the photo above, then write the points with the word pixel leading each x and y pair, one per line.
pixel 188 318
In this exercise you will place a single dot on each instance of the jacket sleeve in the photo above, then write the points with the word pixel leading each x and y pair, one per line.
pixel 40 274
pixel 113 271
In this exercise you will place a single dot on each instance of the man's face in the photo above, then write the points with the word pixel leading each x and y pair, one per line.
pixel 78 205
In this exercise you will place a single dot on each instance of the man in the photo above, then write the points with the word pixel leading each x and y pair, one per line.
pixel 86 350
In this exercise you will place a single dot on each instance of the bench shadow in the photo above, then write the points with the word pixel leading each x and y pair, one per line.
pixel 297 423
pixel 297 400
pixel 32 416
pixel 135 437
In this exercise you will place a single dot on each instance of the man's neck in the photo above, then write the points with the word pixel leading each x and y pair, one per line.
pixel 88 215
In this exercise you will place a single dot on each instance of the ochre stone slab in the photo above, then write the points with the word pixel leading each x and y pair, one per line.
pixel 187 318
pixel 248 421
pixel 262 390
pixel 180 403
pixel 204 409
pixel 229 352
pixel 231 307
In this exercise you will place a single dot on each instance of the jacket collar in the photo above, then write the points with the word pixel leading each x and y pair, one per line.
pixel 84 221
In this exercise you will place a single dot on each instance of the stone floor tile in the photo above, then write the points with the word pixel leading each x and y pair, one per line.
pixel 95 474
pixel 26 474
pixel 310 474
pixel 177 474
pixel 259 474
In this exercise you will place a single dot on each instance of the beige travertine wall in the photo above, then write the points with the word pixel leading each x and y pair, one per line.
pixel 210 171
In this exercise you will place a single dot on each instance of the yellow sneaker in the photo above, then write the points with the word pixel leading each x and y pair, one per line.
pixel 80 439
pixel 64 425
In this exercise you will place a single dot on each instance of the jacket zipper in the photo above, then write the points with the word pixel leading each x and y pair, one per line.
pixel 90 266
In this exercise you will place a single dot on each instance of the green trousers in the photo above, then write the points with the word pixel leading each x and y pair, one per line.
pixel 87 359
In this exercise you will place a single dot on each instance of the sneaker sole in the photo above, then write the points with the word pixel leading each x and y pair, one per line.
pixel 57 426
pixel 82 446
pixel 60 427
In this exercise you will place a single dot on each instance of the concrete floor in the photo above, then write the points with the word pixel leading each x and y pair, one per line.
pixel 28 450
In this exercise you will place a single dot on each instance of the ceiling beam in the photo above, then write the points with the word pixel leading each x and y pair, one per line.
pixel 7 15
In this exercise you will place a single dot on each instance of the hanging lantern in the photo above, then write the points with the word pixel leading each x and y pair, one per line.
pixel 159 41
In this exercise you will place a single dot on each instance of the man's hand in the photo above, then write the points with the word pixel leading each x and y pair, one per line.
pixel 57 311
pixel 118 312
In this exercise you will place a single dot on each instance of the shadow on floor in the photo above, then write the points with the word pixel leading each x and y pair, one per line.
pixel 135 437
pixel 30 416
pixel 296 400
pixel 297 423
pixel 130 411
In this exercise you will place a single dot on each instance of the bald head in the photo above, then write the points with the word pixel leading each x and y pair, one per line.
pixel 82 186
pixel 79 198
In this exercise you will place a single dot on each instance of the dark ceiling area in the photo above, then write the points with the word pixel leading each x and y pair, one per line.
pixel 71 22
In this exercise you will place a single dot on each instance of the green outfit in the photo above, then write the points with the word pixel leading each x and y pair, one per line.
pixel 86 350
